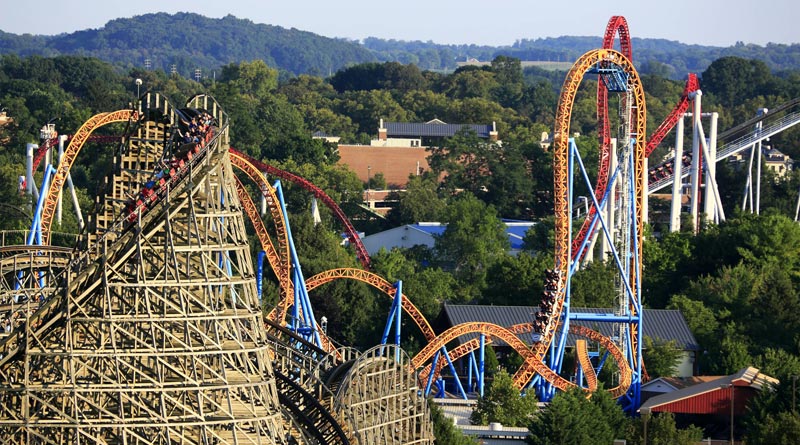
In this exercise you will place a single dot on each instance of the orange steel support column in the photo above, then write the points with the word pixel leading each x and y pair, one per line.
pixel 561 183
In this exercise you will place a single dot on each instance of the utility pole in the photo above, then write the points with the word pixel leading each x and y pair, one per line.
pixel 645 417
pixel 733 404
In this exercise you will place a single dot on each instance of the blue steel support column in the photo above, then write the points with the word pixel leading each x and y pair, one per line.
pixel 35 234
pixel 301 292
pixel 559 343
pixel 481 365
pixel 636 385
pixel 598 215
pixel 430 376
pixel 260 274
pixel 398 309
pixel 455 375
pixel 606 231
pixel 470 364
pixel 389 321
pixel 394 318
pixel 601 363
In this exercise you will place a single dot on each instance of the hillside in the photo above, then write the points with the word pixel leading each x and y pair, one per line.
pixel 191 41
pixel 666 58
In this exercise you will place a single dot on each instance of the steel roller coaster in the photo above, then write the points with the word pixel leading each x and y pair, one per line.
pixel 278 258
pixel 138 255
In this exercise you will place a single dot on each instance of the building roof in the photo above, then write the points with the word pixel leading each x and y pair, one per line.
pixel 514 229
pixel 661 324
pixel 707 395
pixel 431 228
pixel 435 128
pixel 677 383
pixel 775 155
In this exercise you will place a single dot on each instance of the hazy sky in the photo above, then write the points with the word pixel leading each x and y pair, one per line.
pixel 497 22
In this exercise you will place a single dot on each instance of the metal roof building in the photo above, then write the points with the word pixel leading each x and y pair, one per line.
pixel 424 233
pixel 433 129
pixel 659 324
pixel 713 397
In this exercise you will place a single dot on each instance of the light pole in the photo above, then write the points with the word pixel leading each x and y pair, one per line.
pixel 733 393
pixel 138 84
pixel 369 186
pixel 645 417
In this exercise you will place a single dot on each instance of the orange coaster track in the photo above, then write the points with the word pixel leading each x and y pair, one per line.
pixel 71 152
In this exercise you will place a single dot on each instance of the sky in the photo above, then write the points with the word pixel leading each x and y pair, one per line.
pixel 483 22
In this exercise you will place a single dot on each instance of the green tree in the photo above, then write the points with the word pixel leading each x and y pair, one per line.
pixel 444 432
pixel 573 419
pixel 733 79
pixel 253 79
pixel 367 108
pixel 662 430
pixel 508 73
pixel 541 237
pixel 778 363
pixel 419 203
pixel 470 82
pixel 377 181
pixel 516 280
pixel 780 428
pixel 733 353
pixel 504 404
pixel 701 320
pixel 593 285
pixel 474 240
pixel 661 357
pixel 664 261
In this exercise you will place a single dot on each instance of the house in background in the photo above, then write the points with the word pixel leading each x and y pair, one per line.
pixel 664 385
pixel 427 134
pixel 777 161
pixel 716 403
pixel 400 149
pixel 774 160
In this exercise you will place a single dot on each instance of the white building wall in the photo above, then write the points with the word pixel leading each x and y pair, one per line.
pixel 686 366
pixel 395 142
pixel 403 237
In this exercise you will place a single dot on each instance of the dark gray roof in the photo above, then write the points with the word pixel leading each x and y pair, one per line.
pixel 660 324
pixel 413 129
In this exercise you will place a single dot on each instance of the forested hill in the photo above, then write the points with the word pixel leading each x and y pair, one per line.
pixel 666 58
pixel 191 41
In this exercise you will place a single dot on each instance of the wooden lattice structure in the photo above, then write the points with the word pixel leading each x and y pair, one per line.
pixel 152 333
pixel 157 339
pixel 382 399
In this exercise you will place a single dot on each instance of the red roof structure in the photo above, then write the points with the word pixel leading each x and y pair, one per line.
pixel 712 397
